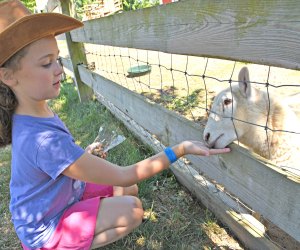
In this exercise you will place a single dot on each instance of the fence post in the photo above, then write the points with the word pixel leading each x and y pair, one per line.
pixel 77 55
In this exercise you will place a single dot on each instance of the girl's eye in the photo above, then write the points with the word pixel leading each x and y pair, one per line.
pixel 56 60
pixel 227 101
pixel 47 65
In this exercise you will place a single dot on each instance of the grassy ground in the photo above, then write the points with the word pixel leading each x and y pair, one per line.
pixel 173 218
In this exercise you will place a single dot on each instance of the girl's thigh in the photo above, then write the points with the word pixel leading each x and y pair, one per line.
pixel 76 228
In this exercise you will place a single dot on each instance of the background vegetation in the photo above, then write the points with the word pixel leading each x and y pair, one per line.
pixel 127 4
pixel 79 4
pixel 30 4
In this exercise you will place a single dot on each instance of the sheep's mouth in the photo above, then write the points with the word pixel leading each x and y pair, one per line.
pixel 213 144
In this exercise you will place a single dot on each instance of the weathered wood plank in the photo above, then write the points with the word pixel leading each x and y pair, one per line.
pixel 51 5
pixel 46 5
pixel 264 189
pixel 262 32
pixel 248 230
pixel 77 55
pixel 244 226
pixel 67 64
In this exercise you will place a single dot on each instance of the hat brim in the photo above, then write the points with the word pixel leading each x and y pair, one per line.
pixel 32 28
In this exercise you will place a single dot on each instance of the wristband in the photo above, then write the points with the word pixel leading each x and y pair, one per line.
pixel 170 154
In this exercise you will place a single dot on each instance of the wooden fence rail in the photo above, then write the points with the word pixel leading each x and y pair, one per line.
pixel 263 32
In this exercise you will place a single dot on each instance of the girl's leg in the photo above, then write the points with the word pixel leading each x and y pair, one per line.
pixel 132 190
pixel 117 217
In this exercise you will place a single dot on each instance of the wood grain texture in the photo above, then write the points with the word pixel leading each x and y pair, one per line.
pixel 77 56
pixel 265 189
pixel 248 230
pixel 262 32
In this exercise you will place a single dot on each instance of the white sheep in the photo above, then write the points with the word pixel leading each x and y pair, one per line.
pixel 253 110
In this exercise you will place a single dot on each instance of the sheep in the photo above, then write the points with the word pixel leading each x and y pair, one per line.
pixel 242 112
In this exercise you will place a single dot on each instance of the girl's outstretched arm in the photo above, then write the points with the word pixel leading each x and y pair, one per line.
pixel 93 169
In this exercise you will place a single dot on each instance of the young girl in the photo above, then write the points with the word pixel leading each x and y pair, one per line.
pixel 62 197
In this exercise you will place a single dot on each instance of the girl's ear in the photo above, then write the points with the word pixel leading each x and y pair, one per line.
pixel 7 76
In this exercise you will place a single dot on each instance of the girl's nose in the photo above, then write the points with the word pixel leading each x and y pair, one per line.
pixel 58 67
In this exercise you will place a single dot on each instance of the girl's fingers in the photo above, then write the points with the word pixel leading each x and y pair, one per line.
pixel 214 151
pixel 199 148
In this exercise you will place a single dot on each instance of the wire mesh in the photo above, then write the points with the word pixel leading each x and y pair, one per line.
pixel 188 85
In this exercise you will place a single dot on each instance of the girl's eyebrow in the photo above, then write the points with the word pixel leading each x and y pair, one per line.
pixel 49 55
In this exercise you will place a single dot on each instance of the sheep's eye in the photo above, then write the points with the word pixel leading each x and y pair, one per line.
pixel 227 101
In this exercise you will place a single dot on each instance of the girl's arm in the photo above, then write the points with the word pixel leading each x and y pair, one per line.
pixel 93 169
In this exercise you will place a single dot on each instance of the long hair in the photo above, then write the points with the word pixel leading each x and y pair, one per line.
pixel 8 101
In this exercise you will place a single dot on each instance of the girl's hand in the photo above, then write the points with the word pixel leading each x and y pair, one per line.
pixel 96 148
pixel 199 148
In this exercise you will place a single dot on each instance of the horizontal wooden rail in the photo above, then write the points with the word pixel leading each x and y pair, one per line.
pixel 265 189
pixel 248 230
pixel 263 32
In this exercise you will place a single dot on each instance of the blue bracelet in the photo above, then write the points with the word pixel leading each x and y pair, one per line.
pixel 170 154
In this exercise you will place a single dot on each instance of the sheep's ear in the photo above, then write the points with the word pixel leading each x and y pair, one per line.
pixel 244 82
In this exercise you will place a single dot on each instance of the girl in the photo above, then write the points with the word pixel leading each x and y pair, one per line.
pixel 62 197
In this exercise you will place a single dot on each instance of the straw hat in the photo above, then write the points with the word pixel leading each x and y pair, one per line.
pixel 18 27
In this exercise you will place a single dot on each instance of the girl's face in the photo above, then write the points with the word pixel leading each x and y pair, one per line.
pixel 39 74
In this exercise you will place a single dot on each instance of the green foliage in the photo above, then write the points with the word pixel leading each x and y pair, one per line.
pixel 127 4
pixel 138 4
pixel 30 4
pixel 79 6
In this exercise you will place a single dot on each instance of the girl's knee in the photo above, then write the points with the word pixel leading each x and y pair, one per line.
pixel 136 207
pixel 134 211
pixel 117 212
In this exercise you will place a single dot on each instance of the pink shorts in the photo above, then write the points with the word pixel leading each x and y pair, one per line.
pixel 76 227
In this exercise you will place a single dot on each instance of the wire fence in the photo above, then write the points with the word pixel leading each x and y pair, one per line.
pixel 188 85
pixel 232 202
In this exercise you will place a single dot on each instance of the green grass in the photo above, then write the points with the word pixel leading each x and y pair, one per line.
pixel 174 219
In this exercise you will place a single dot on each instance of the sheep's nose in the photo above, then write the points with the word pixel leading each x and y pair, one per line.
pixel 206 137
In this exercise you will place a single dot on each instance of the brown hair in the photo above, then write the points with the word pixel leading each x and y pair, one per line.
pixel 8 100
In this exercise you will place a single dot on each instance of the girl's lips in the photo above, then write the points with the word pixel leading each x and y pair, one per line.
pixel 56 85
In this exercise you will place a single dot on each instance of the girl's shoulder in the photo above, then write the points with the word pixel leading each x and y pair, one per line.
pixel 33 123
pixel 29 130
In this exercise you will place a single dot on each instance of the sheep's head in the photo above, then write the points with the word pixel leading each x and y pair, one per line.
pixel 230 107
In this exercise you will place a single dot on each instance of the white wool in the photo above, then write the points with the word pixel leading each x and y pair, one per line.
pixel 253 110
